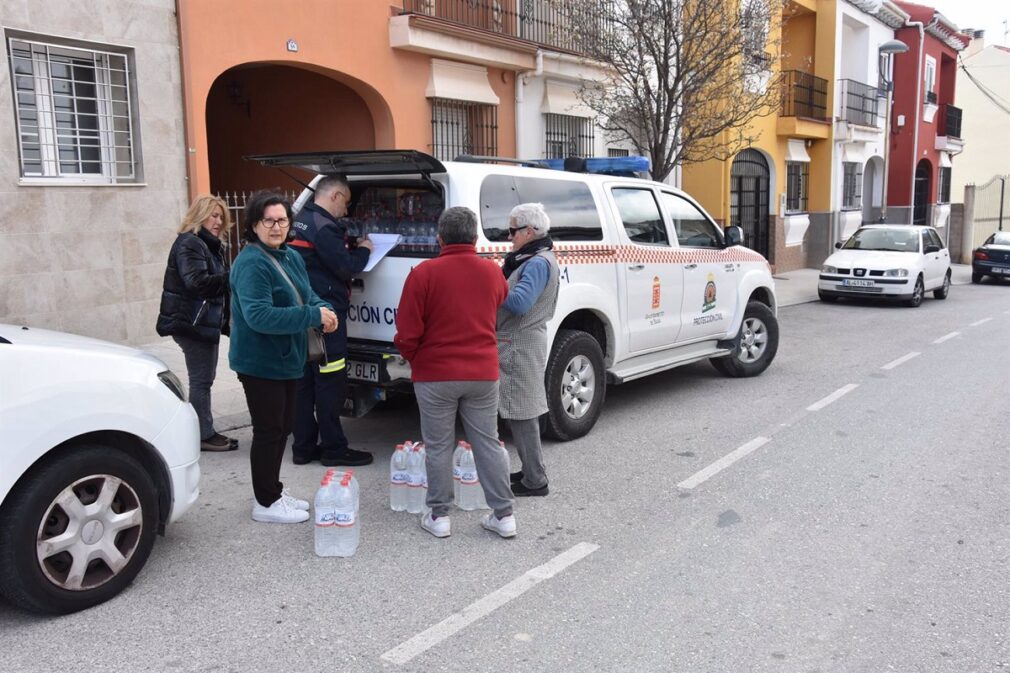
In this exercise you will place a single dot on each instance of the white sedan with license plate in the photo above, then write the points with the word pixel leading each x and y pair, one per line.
pixel 887 261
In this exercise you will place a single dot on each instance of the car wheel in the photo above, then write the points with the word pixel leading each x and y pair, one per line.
pixel 754 347
pixel 576 385
pixel 77 530
pixel 917 294
pixel 976 277
pixel 826 298
pixel 942 291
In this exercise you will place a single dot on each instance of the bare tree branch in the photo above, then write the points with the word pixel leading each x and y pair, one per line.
pixel 686 77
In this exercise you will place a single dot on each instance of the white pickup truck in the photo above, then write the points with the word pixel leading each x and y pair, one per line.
pixel 648 280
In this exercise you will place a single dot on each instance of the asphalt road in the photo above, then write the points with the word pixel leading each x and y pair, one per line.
pixel 860 522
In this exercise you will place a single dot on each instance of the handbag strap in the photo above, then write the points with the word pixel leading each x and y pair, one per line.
pixel 284 274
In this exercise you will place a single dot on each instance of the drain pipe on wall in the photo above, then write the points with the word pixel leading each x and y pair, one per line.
pixel 521 97
pixel 920 58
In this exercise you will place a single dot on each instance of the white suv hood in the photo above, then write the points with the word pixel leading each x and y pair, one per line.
pixel 71 343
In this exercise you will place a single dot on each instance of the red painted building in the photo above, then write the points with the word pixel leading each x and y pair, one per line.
pixel 925 124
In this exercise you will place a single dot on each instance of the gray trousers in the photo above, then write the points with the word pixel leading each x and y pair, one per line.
pixel 526 435
pixel 477 404
pixel 201 366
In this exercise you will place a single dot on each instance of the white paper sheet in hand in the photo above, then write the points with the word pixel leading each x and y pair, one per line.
pixel 382 244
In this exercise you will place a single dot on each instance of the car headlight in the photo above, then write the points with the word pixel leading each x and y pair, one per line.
pixel 173 383
pixel 896 273
pixel 827 268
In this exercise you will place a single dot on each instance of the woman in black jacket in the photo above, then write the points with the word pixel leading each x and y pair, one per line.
pixel 194 305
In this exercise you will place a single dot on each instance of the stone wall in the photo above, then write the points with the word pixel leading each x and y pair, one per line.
pixel 90 259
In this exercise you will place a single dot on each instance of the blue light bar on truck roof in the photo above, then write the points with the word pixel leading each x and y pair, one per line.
pixel 621 166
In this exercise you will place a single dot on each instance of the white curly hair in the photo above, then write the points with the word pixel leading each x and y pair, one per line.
pixel 531 215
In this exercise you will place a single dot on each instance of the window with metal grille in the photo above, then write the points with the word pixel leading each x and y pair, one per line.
pixel 852 185
pixel 568 136
pixel 462 127
pixel 614 152
pixel 943 189
pixel 797 176
pixel 76 112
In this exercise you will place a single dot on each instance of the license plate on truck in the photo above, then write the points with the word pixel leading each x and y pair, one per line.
pixel 363 371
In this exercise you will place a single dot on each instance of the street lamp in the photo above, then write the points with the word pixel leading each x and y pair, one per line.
pixel 884 57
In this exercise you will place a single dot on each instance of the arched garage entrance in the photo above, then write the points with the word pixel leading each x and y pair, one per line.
pixel 268 109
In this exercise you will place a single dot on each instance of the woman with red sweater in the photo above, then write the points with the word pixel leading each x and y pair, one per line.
pixel 445 328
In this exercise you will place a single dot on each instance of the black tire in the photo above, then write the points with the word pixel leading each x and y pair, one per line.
pixel 32 517
pixel 976 277
pixel 944 290
pixel 918 292
pixel 826 298
pixel 575 365
pixel 754 347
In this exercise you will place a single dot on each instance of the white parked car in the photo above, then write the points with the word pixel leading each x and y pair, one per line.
pixel 887 261
pixel 99 450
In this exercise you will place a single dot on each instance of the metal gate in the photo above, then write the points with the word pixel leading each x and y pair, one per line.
pixel 991 209
pixel 749 178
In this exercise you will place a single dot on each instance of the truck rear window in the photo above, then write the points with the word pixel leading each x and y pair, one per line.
pixel 568 203
pixel 411 212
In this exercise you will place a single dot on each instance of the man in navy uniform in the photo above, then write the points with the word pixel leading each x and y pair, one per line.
pixel 320 235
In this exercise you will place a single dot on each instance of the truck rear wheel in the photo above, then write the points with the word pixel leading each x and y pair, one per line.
pixel 576 385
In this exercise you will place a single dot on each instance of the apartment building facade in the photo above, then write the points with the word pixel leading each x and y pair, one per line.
pixel 447 77
pixel 92 169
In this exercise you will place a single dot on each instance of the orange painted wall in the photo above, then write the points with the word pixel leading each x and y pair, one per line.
pixel 345 40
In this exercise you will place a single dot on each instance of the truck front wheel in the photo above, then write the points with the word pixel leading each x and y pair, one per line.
pixel 754 347
pixel 576 385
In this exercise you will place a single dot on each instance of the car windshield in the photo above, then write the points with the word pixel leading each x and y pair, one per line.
pixel 1000 238
pixel 889 240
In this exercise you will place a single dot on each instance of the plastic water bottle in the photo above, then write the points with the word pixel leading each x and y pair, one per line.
pixel 325 506
pixel 398 484
pixel 416 491
pixel 456 470
pixel 346 525
pixel 471 493
pixel 422 449
pixel 335 477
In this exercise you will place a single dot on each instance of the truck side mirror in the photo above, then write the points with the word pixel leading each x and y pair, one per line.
pixel 734 236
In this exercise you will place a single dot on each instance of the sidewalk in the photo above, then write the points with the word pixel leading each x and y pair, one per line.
pixel 228 399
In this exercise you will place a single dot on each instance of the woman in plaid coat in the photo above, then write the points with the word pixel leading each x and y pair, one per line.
pixel 532 273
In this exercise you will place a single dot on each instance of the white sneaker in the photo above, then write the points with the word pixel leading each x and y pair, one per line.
pixel 279 512
pixel 293 502
pixel 440 527
pixel 506 526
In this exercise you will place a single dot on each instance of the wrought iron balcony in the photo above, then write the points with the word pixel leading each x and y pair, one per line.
pixel 859 103
pixel 577 26
pixel 804 95
pixel 950 121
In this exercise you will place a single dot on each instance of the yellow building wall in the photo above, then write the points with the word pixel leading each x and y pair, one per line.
pixel 808 45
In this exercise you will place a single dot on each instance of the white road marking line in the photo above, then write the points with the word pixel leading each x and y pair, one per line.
pixel 723 463
pixel 902 360
pixel 457 621
pixel 947 337
pixel 980 322
pixel 820 404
